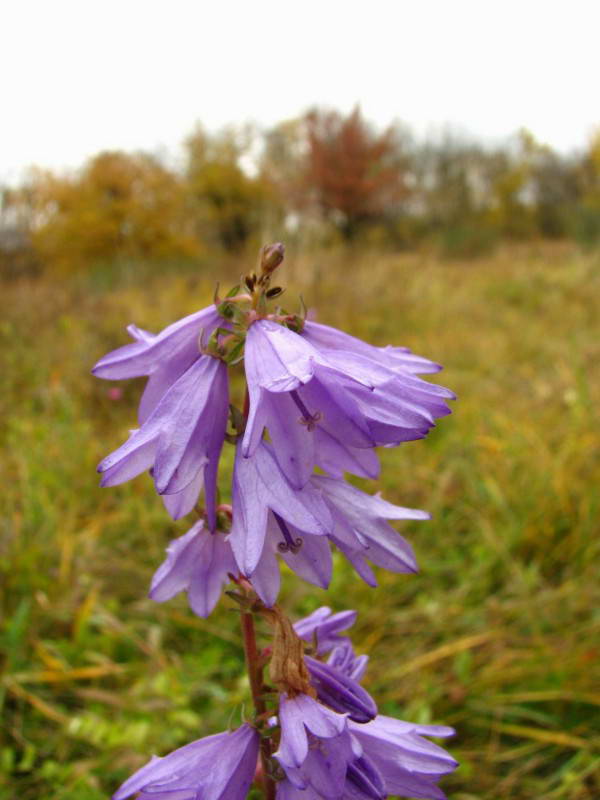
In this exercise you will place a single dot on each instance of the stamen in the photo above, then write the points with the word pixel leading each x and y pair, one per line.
pixel 308 419
pixel 290 544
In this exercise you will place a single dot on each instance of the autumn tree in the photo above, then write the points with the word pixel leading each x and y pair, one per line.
pixel 355 175
pixel 230 201
pixel 119 206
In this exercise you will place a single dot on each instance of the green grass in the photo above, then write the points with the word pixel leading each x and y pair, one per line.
pixel 499 633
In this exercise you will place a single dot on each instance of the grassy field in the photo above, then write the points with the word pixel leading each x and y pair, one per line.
pixel 499 633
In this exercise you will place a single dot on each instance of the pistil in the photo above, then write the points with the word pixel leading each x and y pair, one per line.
pixel 289 544
pixel 308 419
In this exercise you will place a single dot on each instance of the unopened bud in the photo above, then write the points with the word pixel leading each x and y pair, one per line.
pixel 271 257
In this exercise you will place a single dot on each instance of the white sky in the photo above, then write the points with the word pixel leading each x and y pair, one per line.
pixel 78 76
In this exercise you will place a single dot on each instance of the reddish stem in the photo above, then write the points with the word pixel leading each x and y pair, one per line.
pixel 255 673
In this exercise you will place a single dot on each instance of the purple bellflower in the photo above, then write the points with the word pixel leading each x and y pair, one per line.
pixel 271 518
pixel 180 441
pixel 382 758
pixel 163 357
pixel 296 389
pixel 315 749
pixel 219 767
pixel 360 529
pixel 198 562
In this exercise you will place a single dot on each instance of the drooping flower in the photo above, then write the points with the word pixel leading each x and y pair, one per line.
pixel 219 767
pixel 180 441
pixel 271 518
pixel 315 748
pixel 385 757
pixel 262 495
pixel 199 563
pixel 360 529
pixel 164 357
pixel 296 389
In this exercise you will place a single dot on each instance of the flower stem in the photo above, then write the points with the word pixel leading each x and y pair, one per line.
pixel 255 674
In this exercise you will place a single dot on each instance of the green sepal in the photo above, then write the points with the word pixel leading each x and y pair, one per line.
pixel 236 354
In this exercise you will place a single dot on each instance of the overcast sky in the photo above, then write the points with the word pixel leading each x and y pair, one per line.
pixel 79 76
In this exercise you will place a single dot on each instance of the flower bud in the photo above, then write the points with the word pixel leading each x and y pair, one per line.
pixel 271 257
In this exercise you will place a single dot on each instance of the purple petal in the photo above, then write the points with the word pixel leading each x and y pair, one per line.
pixel 335 457
pixel 213 573
pixel 195 405
pixel 206 765
pixel 199 562
pixel 326 338
pixel 276 358
pixel 181 503
pixel 259 485
pixel 174 574
pixel 340 692
pixel 145 355
pixel 296 716
pixel 313 561
pixel 357 505
pixel 340 415
pixel 266 578
pixel 293 441
pixel 326 626
pixel 135 456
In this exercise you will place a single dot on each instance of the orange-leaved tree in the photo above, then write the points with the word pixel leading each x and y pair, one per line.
pixel 355 175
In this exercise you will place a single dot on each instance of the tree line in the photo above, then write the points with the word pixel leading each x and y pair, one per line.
pixel 328 177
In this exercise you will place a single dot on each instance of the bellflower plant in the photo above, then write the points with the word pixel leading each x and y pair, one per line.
pixel 318 403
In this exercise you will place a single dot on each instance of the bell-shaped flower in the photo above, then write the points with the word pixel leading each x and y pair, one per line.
pixel 315 747
pixel 296 390
pixel 271 519
pixel 261 493
pixel 318 755
pixel 326 339
pixel 409 765
pixel 164 357
pixel 181 440
pixel 199 563
pixel 360 529
pixel 219 767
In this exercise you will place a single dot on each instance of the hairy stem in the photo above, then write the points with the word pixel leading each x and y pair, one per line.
pixel 255 673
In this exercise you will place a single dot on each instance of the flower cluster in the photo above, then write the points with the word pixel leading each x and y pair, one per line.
pixel 332 743
pixel 323 398
pixel 318 404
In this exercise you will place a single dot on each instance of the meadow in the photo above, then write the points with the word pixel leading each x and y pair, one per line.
pixel 498 635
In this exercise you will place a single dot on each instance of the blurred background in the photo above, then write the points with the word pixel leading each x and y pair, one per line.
pixel 434 171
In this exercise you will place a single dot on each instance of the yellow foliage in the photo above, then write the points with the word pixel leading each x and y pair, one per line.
pixel 120 206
